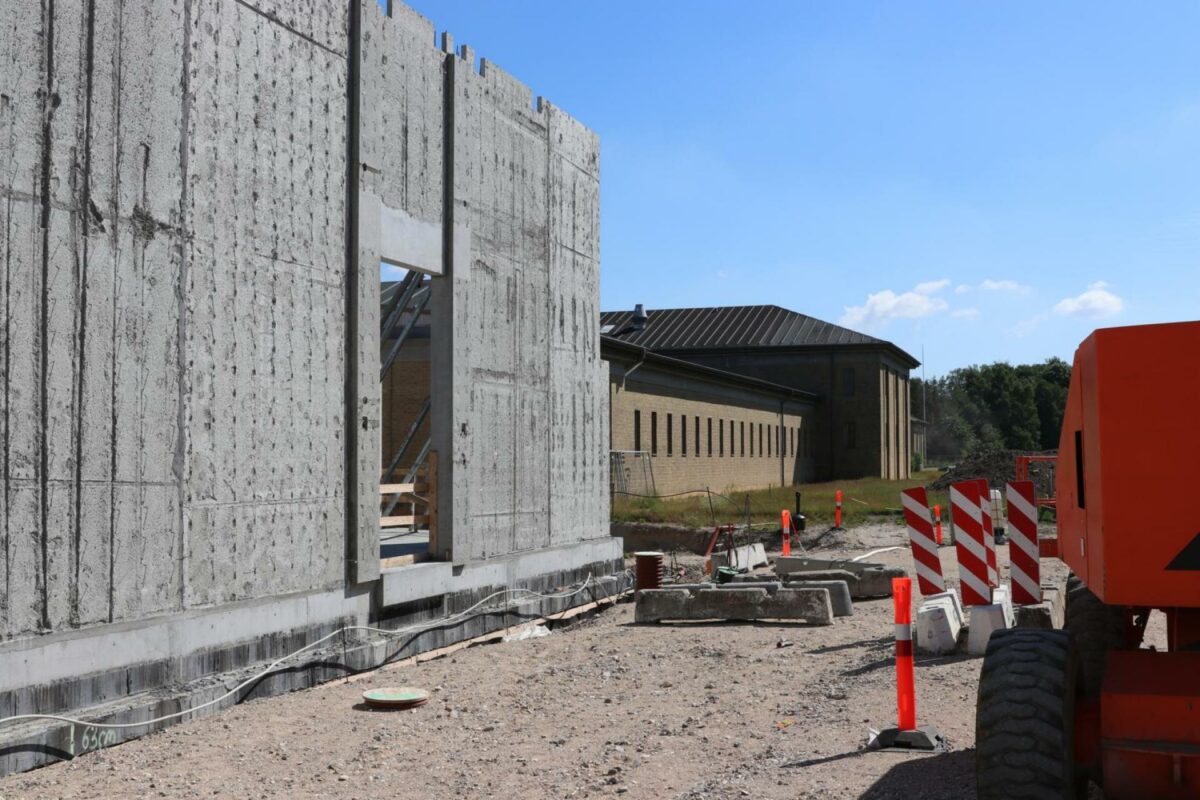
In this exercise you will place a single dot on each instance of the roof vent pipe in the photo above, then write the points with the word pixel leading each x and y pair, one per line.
pixel 639 317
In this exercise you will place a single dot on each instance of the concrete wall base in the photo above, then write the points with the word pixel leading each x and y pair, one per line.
pixel 174 682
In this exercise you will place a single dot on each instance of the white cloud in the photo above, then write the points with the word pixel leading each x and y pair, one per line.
pixel 1027 326
pixel 965 313
pixel 1097 302
pixel 931 287
pixel 990 285
pixel 962 288
pixel 886 306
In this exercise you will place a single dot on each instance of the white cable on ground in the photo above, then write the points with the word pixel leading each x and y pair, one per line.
pixel 874 552
pixel 528 594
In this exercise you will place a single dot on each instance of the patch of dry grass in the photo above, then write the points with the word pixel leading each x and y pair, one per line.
pixel 862 500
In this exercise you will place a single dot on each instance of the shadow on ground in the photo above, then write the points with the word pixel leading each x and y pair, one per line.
pixel 941 776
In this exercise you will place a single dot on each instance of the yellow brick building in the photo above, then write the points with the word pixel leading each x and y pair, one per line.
pixel 838 397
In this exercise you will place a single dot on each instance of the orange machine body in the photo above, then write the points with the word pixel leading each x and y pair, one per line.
pixel 1128 471
pixel 1127 480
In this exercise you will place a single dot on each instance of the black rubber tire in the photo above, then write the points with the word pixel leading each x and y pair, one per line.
pixel 1025 718
pixel 1096 629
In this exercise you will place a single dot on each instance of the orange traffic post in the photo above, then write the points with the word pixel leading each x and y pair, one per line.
pixel 837 512
pixel 785 524
pixel 937 519
pixel 906 734
pixel 906 690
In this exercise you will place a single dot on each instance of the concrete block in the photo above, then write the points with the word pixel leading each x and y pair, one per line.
pixel 1002 596
pixel 871 580
pixel 734 602
pixel 984 620
pixel 1050 613
pixel 839 594
pixel 951 596
pixel 746 557
pixel 940 622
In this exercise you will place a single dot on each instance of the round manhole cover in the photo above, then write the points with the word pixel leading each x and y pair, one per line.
pixel 396 697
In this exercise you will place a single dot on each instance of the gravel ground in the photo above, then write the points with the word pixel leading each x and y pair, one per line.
pixel 601 707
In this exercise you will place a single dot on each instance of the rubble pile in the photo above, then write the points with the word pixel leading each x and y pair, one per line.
pixel 999 467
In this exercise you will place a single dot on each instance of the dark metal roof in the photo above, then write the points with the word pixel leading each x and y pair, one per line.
pixel 689 329
pixel 731 326
pixel 611 349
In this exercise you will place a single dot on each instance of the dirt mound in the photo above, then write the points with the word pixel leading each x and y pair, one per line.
pixel 998 467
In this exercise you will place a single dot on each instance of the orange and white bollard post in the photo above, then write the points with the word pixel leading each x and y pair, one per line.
pixel 906 688
pixel 937 521
pixel 906 734
pixel 785 524
pixel 837 511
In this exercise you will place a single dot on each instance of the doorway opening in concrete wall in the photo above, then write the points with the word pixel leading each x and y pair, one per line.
pixel 408 477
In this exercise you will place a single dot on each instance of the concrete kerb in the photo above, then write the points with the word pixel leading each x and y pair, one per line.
pixel 839 594
pixel 865 580
pixel 839 587
pixel 734 602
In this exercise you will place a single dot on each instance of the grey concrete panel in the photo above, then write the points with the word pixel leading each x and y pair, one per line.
pixel 320 22
pixel 22 77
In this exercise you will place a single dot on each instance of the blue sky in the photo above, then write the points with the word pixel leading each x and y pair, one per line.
pixel 991 181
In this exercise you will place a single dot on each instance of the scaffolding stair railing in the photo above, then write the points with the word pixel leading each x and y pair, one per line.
pixel 412 297
pixel 419 491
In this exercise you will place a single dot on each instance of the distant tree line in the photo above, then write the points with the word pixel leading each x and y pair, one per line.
pixel 993 406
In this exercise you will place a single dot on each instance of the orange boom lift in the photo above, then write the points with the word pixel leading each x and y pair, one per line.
pixel 1057 708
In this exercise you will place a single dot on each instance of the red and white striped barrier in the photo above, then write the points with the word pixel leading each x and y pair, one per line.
pixel 989 533
pixel 1023 543
pixel 968 537
pixel 923 541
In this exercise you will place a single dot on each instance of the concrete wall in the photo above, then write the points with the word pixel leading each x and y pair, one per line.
pixel 515 330
pixel 505 192
pixel 189 373
pixel 748 457
pixel 172 286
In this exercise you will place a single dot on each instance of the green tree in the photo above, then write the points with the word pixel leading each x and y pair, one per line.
pixel 994 406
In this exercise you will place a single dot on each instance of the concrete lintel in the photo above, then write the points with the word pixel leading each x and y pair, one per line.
pixel 408 242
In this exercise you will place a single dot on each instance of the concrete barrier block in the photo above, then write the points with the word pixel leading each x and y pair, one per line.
pixel 1050 613
pixel 940 622
pixel 984 620
pixel 871 580
pixel 734 602
pixel 651 605
pixel 839 594
pixel 1002 596
pixel 952 596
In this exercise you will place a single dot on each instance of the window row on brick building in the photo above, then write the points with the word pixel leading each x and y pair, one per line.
pixel 692 435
